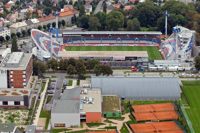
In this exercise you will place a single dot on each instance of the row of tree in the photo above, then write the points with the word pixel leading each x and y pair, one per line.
pixel 144 16
pixel 72 67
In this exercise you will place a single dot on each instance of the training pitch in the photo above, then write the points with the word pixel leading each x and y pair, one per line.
pixel 153 52
pixel 191 90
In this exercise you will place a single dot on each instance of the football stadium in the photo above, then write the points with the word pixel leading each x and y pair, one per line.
pixel 117 49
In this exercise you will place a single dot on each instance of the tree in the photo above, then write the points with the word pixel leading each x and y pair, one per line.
pixel 18 34
pixel 97 70
pixel 29 32
pixel 80 68
pixel 106 70
pixel 197 62
pixel 73 19
pixel 48 26
pixel 44 27
pixel 7 37
pixel 102 19
pixel 115 20
pixel 14 47
pixel 147 13
pixel 90 64
pixel 71 70
pixel 93 23
pixel 83 22
pixel 133 25
pixel 72 62
pixel 54 24
pixel 104 7
pixel 23 33
pixel 52 64
pixel 39 67
pixel 47 10
pixel 103 69
pixel 63 23
pixel 39 27
pixel 59 24
pixel 13 35
pixel 1 39
pixel 82 10
pixel 63 64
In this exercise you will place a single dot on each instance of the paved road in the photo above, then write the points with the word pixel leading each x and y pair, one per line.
pixel 59 84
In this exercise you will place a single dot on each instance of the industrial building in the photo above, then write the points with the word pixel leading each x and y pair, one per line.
pixel 138 88
pixel 79 105
pixel 15 70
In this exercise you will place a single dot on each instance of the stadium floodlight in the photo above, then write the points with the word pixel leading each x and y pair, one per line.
pixel 166 16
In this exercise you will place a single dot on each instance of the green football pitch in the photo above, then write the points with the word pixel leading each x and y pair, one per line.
pixel 153 52
pixel 191 90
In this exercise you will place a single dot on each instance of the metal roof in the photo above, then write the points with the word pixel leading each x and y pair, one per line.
pixel 112 32
pixel 66 106
pixel 139 88
pixel 71 94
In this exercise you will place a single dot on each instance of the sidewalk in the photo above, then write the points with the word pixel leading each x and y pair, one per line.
pixel 42 97
pixel 74 82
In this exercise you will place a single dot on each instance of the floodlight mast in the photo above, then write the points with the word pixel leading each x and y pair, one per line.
pixel 166 17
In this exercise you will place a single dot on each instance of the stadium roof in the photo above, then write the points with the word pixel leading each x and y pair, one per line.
pixel 139 88
pixel 112 32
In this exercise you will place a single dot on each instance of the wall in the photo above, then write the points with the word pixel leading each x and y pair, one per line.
pixel 70 119
pixel 94 117
pixel 112 114
pixel 16 78
pixel 3 79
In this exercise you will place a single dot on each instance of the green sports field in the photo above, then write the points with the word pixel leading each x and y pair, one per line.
pixel 153 52
pixel 191 90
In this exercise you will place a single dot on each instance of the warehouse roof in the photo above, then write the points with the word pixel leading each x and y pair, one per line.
pixel 140 88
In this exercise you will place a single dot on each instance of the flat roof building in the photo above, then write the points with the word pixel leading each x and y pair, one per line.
pixel 139 88
pixel 79 104
pixel 16 70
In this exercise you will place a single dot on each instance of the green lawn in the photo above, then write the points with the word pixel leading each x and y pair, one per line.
pixel 191 90
pixel 69 83
pixel 153 52
pixel 45 114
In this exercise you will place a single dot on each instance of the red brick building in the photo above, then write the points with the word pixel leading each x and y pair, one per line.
pixel 16 70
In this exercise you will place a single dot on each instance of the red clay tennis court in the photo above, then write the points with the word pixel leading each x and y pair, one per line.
pixel 153 107
pixel 156 116
pixel 156 127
